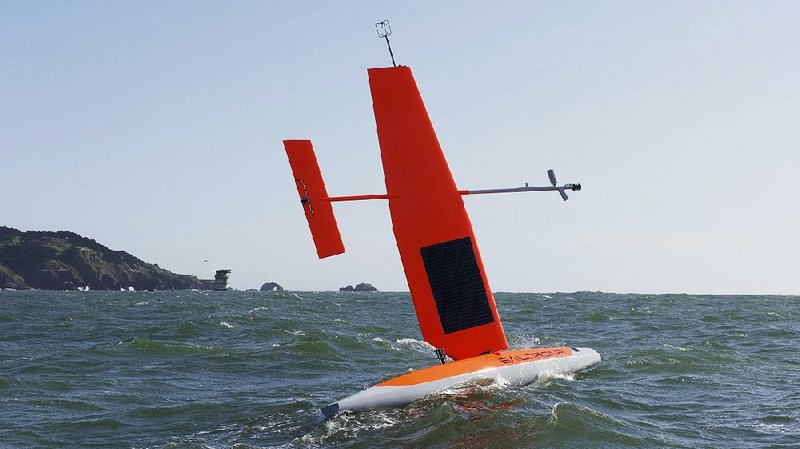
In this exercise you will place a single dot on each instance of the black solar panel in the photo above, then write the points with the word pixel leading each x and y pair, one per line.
pixel 457 285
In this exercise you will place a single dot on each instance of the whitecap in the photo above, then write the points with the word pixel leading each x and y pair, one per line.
pixel 679 348
pixel 526 342
pixel 349 425
pixel 415 344
pixel 385 343
pixel 225 325
pixel 548 376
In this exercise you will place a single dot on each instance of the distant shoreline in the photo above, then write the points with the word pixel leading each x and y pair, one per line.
pixel 64 260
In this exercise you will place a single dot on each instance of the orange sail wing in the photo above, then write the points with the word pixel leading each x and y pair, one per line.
pixel 448 284
pixel 314 198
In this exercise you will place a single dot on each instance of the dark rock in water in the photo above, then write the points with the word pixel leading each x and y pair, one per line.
pixel 64 261
pixel 271 287
pixel 362 287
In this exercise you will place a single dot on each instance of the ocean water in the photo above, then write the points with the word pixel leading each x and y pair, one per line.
pixel 250 370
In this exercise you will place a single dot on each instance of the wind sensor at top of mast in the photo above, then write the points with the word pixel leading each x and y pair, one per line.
pixel 384 30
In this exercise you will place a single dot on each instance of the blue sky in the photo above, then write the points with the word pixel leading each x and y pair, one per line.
pixel 156 128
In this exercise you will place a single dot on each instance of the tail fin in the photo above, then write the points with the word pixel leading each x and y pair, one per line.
pixel 314 198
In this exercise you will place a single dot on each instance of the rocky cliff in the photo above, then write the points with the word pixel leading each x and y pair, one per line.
pixel 64 260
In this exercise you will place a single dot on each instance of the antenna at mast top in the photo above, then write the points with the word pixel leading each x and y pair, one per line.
pixel 384 30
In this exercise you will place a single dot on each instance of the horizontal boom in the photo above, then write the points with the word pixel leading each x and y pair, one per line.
pixel 526 188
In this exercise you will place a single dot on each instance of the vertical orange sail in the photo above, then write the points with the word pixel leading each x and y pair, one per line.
pixel 448 284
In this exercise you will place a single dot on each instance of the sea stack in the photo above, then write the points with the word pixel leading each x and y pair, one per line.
pixel 271 287
pixel 362 287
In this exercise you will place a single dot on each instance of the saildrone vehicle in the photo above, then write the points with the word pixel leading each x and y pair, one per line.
pixel 449 288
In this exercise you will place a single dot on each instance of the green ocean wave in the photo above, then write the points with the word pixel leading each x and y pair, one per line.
pixel 161 369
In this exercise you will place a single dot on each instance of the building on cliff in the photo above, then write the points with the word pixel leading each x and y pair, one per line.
pixel 219 283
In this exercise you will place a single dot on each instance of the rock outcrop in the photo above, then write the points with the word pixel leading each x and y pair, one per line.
pixel 64 261
pixel 362 287
pixel 271 287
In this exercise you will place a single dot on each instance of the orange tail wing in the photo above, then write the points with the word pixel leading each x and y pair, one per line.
pixel 314 197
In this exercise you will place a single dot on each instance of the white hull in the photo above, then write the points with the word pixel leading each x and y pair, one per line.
pixel 519 372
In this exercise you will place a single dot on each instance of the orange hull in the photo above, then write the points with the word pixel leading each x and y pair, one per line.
pixel 517 367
